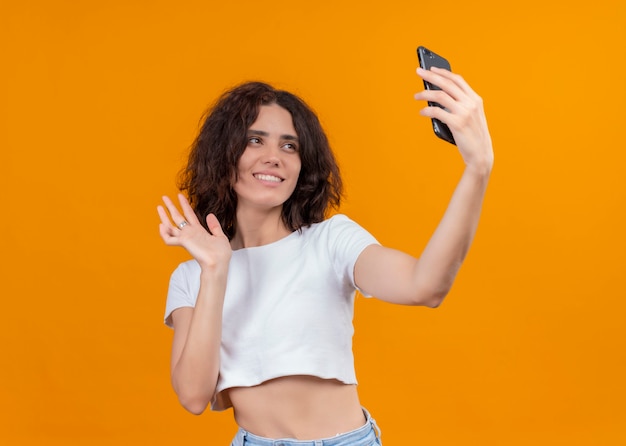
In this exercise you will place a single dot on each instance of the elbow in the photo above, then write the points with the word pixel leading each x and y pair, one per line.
pixel 431 287
pixel 195 406
pixel 193 395
pixel 192 399
pixel 430 298
pixel 195 410
pixel 435 301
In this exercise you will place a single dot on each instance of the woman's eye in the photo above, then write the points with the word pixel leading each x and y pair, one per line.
pixel 254 140
pixel 291 147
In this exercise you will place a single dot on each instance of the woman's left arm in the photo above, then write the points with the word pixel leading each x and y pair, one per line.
pixel 397 277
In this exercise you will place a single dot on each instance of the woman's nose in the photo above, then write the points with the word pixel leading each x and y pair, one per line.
pixel 272 156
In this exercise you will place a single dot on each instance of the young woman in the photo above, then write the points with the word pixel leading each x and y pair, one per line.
pixel 262 315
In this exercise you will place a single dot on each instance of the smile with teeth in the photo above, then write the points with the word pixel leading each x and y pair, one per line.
pixel 264 177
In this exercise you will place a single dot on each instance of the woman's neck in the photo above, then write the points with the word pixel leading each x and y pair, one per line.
pixel 258 228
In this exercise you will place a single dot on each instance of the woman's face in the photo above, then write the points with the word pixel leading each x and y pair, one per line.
pixel 269 167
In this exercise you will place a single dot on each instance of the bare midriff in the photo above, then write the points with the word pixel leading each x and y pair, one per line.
pixel 299 407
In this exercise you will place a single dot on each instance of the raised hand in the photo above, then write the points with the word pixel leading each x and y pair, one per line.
pixel 463 113
pixel 210 248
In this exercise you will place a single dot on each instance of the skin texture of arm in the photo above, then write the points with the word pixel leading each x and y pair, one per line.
pixel 197 331
pixel 397 277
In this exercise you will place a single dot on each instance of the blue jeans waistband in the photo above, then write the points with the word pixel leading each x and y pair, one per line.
pixel 367 435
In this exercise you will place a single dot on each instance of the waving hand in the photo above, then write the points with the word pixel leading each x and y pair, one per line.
pixel 210 248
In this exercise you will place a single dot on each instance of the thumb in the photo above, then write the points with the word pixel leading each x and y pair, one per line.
pixel 214 225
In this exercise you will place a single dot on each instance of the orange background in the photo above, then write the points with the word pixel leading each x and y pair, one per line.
pixel 100 100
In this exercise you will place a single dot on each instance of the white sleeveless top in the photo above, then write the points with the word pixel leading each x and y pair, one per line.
pixel 288 306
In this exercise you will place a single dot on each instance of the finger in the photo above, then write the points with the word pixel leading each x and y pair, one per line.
pixel 164 216
pixel 436 112
pixel 457 79
pixel 443 79
pixel 440 97
pixel 442 115
pixel 167 233
pixel 188 211
pixel 175 215
pixel 214 225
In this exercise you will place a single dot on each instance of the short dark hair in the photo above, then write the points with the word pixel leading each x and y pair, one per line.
pixel 208 177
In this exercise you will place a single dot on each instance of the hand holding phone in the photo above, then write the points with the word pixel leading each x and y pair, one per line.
pixel 428 59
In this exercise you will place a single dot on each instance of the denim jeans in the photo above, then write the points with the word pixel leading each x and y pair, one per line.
pixel 366 435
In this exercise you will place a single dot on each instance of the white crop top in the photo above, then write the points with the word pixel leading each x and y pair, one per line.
pixel 288 306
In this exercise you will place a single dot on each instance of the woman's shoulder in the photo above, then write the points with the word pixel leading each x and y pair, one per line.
pixel 335 219
pixel 338 221
pixel 188 268
pixel 335 226
pixel 326 225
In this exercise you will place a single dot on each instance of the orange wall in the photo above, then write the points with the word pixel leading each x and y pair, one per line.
pixel 99 101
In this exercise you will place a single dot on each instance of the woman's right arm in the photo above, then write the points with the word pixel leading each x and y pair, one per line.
pixel 197 331
pixel 195 360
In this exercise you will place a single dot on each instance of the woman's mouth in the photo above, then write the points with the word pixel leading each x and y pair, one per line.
pixel 266 177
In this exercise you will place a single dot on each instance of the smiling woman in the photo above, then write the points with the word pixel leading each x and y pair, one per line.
pixel 227 132
pixel 262 315
pixel 268 170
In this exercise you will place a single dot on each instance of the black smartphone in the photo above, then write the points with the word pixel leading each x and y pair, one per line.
pixel 428 59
